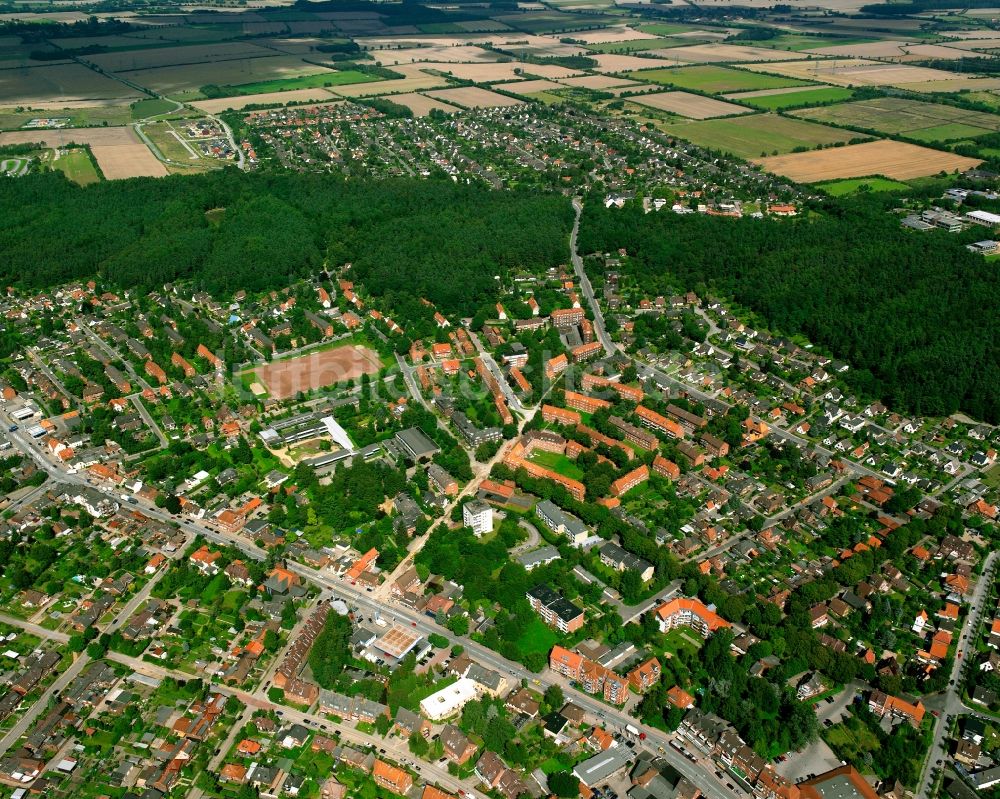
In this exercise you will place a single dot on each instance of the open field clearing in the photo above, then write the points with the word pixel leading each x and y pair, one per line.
pixel 693 106
pixel 416 80
pixel 191 77
pixel 60 83
pixel 173 56
pixel 285 378
pixel 715 79
pixel 421 106
pixel 268 98
pixel 858 72
pixel 974 44
pixel 596 82
pixel 528 86
pixel 473 97
pixel 778 99
pixel 723 53
pixel 664 28
pixel 910 118
pixel 118 151
pixel 889 158
pixel 753 136
pixel 482 25
pixel 553 22
pixel 841 188
pixel 74 163
pixel 613 62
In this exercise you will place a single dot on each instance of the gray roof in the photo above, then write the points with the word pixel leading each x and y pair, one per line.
pixel 598 768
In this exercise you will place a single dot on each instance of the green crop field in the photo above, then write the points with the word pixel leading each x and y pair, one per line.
pixel 778 102
pixel 841 188
pixel 316 81
pixel 634 45
pixel 664 28
pixel 926 122
pixel 752 136
pixel 798 42
pixel 715 79
pixel 155 106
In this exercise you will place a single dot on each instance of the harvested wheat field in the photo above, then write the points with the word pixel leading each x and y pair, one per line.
pixel 889 158
pixel 266 98
pixel 421 106
pixel 473 97
pixel 692 106
pixel 528 86
pixel 856 72
pixel 416 80
pixel 597 82
pixel 286 378
pixel 613 62
pixel 722 53
pixel 606 35
pixel 118 151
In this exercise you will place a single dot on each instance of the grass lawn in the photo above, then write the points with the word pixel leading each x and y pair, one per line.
pixel 319 80
pixel 558 463
pixel 76 165
pixel 851 740
pixel 757 135
pixel 715 79
pixel 680 640
pixel 841 188
pixel 948 132
pixel 992 477
pixel 538 637
pixel 777 102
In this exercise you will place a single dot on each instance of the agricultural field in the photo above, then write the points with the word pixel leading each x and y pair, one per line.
pixel 61 83
pixel 780 99
pixel 326 367
pixel 421 106
pixel 597 82
pixel 617 62
pixel 755 136
pixel 132 60
pixel 526 86
pixel 416 80
pixel 270 98
pixel 910 118
pixel 714 79
pixel 118 151
pixel 720 53
pixel 693 106
pixel 77 116
pixel 631 45
pixel 842 188
pixel 316 81
pixel 473 97
pixel 892 159
pixel 797 42
pixel 860 72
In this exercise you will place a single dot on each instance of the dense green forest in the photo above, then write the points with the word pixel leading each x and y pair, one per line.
pixel 914 314
pixel 425 238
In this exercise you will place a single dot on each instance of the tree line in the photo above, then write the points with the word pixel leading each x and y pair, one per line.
pixel 912 313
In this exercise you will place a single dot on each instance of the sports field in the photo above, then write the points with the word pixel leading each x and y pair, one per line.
pixel 781 99
pixel 841 188
pixel 757 135
pixel 911 118
pixel 890 158
pixel 714 79
pixel 285 378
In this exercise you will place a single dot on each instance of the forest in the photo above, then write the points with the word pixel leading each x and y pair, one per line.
pixel 913 314
pixel 426 238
